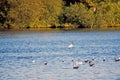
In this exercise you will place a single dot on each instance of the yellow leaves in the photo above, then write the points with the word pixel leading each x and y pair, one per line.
pixel 38 13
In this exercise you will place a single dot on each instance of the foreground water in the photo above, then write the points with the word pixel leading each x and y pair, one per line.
pixel 23 54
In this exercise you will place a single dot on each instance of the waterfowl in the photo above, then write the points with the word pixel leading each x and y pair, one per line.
pixel 76 65
pixel 70 45
pixel 91 63
pixel 86 60
pixel 33 61
pixel 104 59
pixel 93 58
pixel 72 60
pixel 117 59
pixel 45 63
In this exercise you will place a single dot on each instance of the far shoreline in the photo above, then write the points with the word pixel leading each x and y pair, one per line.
pixel 62 29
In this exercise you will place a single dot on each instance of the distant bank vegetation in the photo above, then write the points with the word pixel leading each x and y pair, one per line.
pixel 19 14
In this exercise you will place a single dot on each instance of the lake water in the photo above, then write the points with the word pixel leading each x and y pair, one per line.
pixel 23 55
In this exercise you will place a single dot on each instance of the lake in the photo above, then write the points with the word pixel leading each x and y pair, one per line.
pixel 36 55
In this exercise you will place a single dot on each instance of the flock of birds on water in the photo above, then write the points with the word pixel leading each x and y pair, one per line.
pixel 77 63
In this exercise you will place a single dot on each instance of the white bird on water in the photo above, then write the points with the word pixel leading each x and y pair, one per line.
pixel 33 61
pixel 70 45
pixel 76 65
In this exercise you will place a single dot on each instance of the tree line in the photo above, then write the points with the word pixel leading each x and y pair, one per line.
pixel 18 14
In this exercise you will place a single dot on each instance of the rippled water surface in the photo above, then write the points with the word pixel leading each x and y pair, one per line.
pixel 23 55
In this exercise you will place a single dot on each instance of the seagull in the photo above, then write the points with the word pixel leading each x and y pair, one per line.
pixel 70 46
pixel 117 59
pixel 76 65
pixel 33 61
pixel 86 60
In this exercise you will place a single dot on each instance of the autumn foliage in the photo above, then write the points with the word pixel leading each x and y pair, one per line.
pixel 19 14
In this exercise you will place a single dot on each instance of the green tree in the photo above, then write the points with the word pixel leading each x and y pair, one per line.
pixel 78 14
pixel 70 13
pixel 52 11
pixel 4 9
pixel 22 12
pixel 35 13
pixel 107 14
